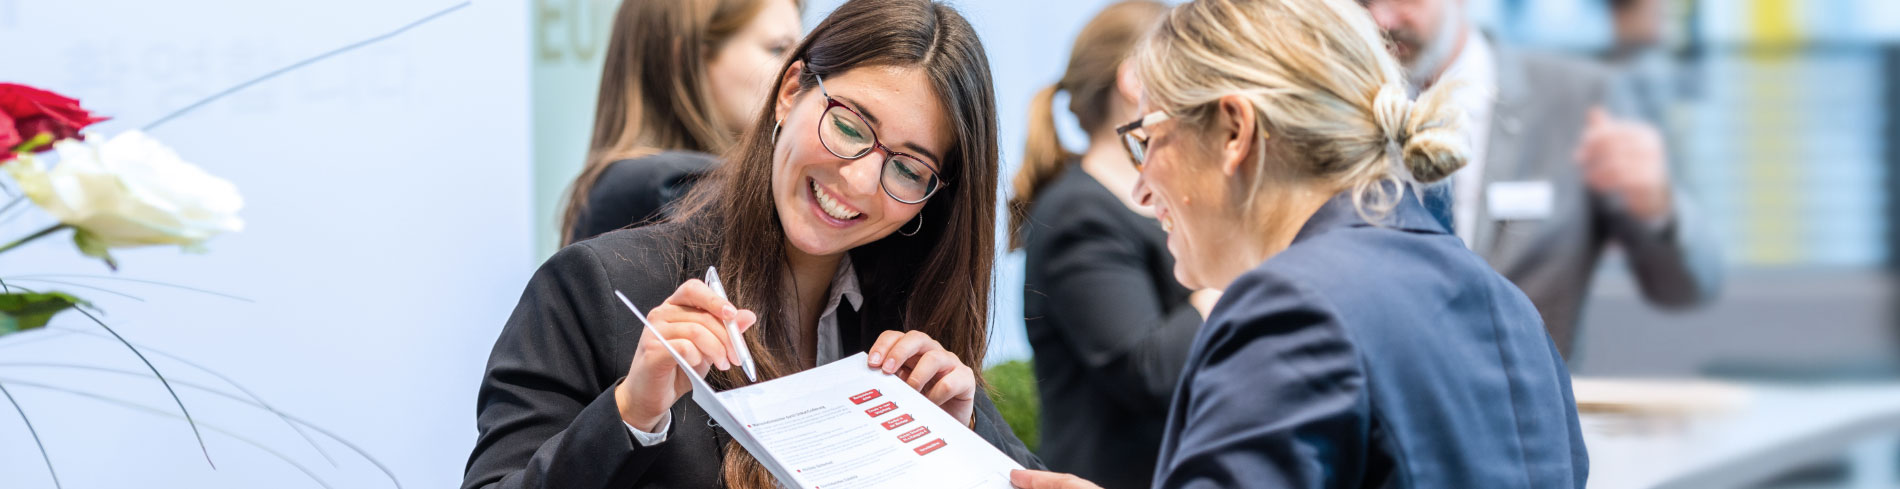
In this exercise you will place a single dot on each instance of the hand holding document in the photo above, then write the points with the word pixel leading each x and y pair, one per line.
pixel 846 425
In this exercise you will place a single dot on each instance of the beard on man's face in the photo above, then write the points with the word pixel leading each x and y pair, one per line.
pixel 1406 45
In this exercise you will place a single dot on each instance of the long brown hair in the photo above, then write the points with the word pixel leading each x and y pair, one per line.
pixel 937 281
pixel 1094 61
pixel 653 88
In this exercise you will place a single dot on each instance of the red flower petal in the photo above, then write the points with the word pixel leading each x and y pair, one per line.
pixel 32 111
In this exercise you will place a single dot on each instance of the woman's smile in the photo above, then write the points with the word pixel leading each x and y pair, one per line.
pixel 831 208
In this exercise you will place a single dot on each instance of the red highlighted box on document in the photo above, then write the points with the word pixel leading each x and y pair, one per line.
pixel 926 448
pixel 866 396
pixel 880 409
pixel 896 422
pixel 913 435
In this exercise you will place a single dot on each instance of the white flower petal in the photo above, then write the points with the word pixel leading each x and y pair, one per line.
pixel 131 190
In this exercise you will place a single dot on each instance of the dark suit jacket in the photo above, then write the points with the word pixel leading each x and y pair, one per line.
pixel 1367 356
pixel 1110 326
pixel 1535 128
pixel 640 191
pixel 546 410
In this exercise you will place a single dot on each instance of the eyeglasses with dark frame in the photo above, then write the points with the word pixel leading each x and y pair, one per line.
pixel 844 132
pixel 1134 136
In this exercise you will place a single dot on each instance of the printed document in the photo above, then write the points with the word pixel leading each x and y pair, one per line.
pixel 846 425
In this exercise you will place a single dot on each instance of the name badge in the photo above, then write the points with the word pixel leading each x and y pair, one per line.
pixel 1510 201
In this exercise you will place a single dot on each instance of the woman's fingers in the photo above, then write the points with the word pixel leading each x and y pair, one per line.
pixel 695 294
pixel 670 314
pixel 884 342
pixel 957 384
pixel 701 338
pixel 694 302
pixel 940 376
pixel 1036 479
pixel 900 349
pixel 746 319
pixel 931 366
pixel 688 352
pixel 653 381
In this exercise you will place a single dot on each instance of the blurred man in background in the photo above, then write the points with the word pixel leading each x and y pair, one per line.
pixel 1553 179
pixel 1640 56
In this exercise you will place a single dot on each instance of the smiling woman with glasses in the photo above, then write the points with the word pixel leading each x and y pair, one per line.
pixel 845 133
pixel 855 214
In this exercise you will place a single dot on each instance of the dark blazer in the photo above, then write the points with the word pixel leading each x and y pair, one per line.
pixel 639 191
pixel 1367 356
pixel 1536 124
pixel 1110 326
pixel 546 410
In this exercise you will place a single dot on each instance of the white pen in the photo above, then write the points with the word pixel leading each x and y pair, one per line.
pixel 732 329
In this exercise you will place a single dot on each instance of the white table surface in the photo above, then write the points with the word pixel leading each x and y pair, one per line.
pixel 1773 429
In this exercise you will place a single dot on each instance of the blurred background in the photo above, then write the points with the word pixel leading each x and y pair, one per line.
pixel 399 195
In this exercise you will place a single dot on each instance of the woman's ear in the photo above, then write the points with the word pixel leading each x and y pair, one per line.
pixel 1234 125
pixel 1128 84
pixel 788 89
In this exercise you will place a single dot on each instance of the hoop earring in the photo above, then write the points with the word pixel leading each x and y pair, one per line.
pixel 920 226
pixel 775 130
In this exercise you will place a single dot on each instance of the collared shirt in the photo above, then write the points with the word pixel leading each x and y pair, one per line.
pixel 844 286
pixel 1475 71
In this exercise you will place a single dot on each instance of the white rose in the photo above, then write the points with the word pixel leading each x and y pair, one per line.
pixel 130 191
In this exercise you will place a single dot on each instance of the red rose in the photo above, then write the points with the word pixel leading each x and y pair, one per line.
pixel 27 112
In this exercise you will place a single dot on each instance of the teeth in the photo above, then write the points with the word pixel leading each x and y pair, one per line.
pixel 830 206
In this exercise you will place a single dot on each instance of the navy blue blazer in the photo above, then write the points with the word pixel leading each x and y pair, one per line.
pixel 1373 356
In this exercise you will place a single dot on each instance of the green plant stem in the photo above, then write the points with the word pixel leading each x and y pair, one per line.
pixel 43 232
pixel 32 145
pixel 36 435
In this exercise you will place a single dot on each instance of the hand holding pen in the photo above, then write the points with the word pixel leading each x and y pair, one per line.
pixel 744 353
pixel 694 320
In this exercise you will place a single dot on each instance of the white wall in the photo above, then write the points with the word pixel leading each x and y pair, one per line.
pixel 388 237
pixel 569 42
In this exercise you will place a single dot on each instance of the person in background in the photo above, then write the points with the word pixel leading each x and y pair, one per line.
pixel 1358 343
pixel 1642 62
pixel 857 214
pixel 1109 324
pixel 1553 179
pixel 680 81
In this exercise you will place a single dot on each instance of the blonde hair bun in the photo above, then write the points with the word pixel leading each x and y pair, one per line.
pixel 1425 133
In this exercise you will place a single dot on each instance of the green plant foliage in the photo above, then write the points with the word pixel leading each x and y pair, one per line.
pixel 1013 388
pixel 22 311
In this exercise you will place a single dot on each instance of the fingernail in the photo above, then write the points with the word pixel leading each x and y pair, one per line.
pixel 876 358
pixel 730 313
pixel 890 366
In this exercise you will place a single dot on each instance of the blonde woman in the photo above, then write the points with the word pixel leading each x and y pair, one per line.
pixel 1358 344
